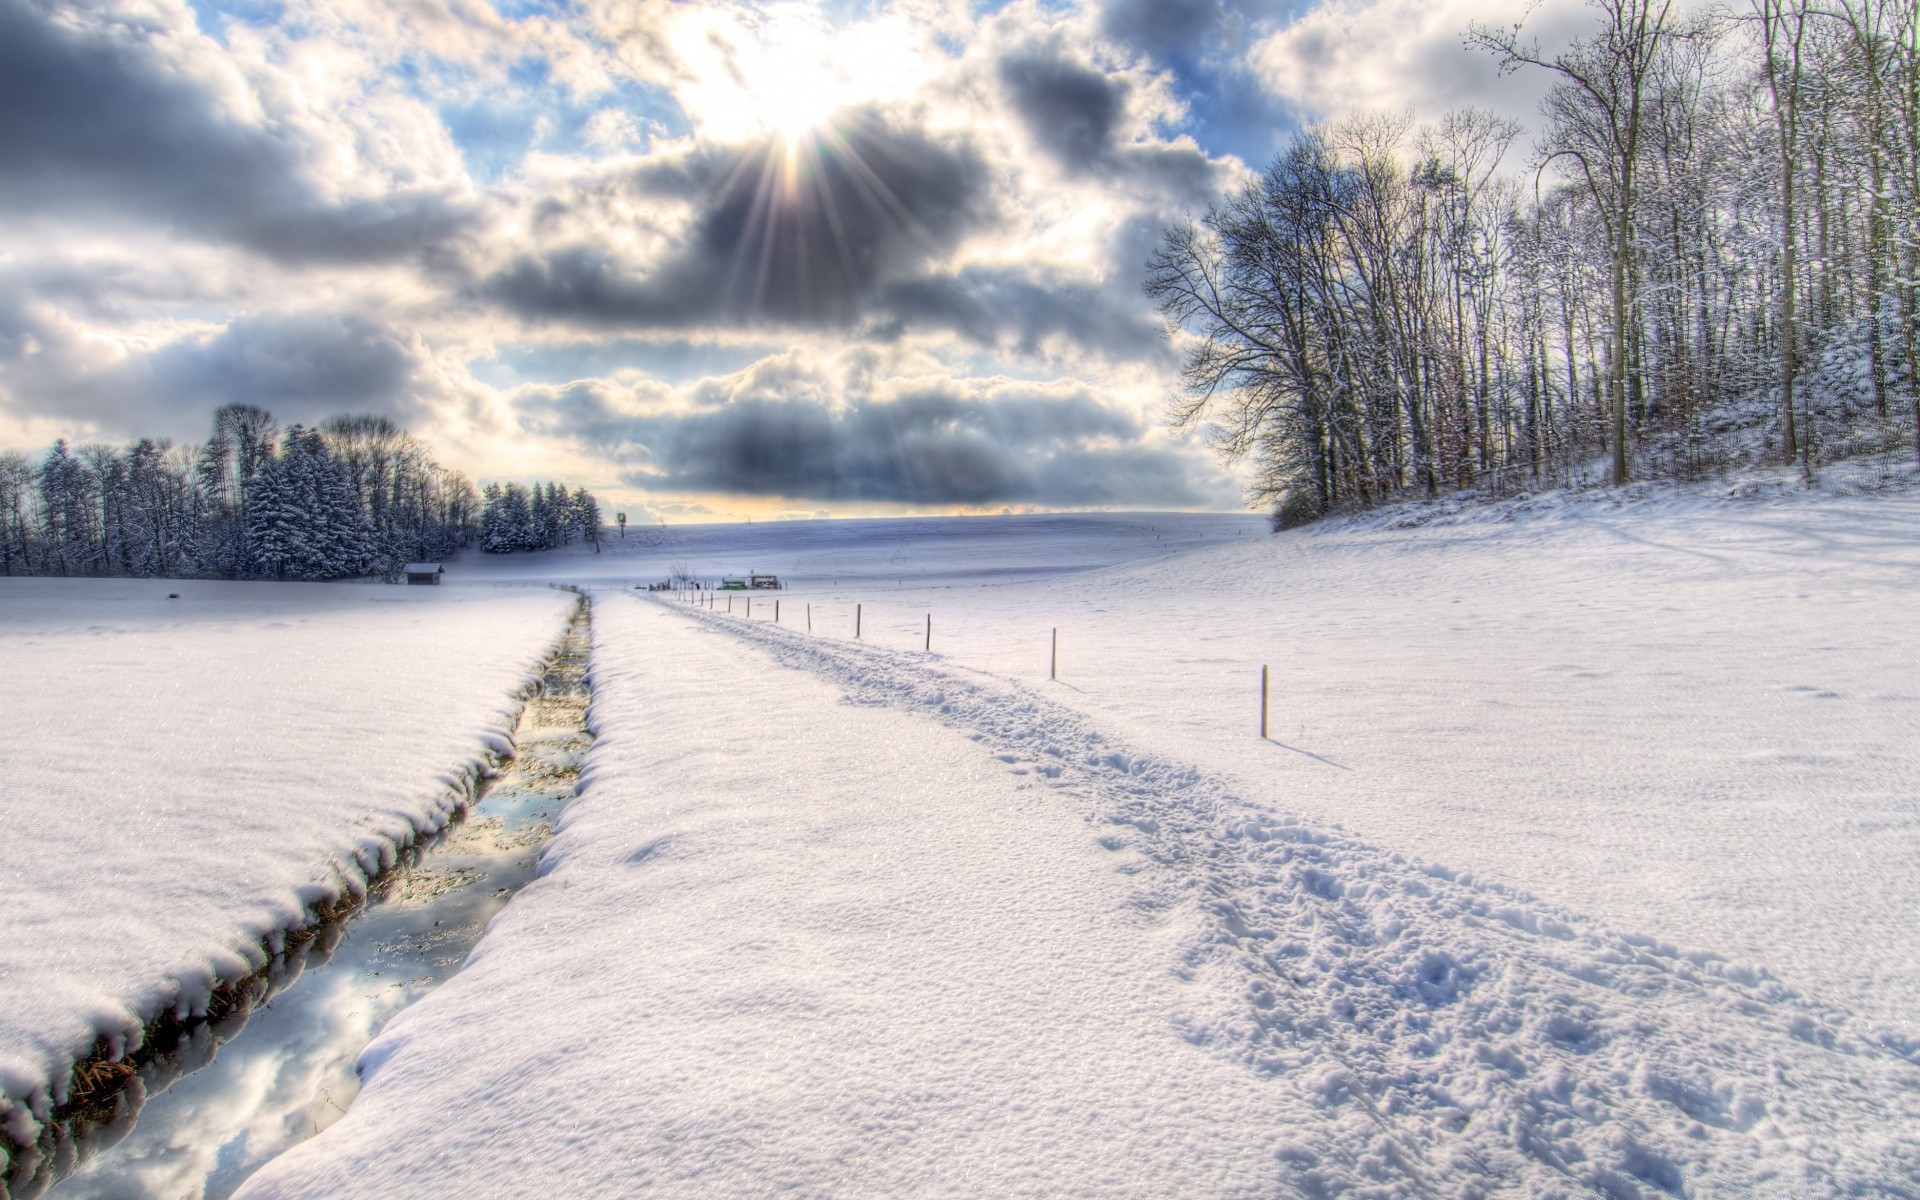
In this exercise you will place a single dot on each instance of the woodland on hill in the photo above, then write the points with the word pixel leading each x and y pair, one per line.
pixel 1707 256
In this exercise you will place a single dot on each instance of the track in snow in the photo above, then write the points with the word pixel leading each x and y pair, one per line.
pixel 1456 1035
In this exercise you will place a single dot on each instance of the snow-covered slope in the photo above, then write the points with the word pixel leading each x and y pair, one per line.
pixel 1693 719
pixel 181 775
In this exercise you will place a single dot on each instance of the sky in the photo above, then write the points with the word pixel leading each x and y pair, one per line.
pixel 710 259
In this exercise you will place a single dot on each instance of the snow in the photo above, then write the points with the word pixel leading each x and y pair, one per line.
pixel 786 944
pixel 185 773
pixel 1691 719
pixel 879 552
pixel 1581 859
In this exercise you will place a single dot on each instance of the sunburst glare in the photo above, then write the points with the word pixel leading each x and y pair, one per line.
pixel 783 71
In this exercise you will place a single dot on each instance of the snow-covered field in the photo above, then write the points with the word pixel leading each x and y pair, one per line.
pixel 786 945
pixel 181 776
pixel 889 552
pixel 1581 858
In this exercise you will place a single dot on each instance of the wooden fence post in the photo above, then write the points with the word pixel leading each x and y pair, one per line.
pixel 856 622
pixel 776 612
pixel 929 631
pixel 1263 703
pixel 809 616
pixel 1053 662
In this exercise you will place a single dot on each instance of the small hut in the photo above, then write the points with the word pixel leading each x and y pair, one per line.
pixel 423 572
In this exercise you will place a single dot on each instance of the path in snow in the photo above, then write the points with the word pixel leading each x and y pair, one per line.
pixel 1448 1033
pixel 1692 718
pixel 786 945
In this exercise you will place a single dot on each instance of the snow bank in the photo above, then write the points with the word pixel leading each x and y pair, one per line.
pixel 784 945
pixel 183 776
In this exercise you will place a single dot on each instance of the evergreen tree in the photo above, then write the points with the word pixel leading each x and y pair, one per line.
pixel 68 512
pixel 586 517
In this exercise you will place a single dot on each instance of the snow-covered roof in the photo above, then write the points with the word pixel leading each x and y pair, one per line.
pixel 422 569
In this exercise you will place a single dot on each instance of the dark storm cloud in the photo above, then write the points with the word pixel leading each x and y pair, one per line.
pixel 807 241
pixel 1069 109
pixel 97 123
pixel 1164 26
pixel 995 307
pixel 1074 112
pixel 937 446
pixel 302 366
pixel 303 362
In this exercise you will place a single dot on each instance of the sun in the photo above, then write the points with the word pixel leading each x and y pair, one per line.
pixel 795 88
pixel 783 71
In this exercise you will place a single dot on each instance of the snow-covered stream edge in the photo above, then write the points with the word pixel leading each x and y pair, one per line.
pixel 101 1102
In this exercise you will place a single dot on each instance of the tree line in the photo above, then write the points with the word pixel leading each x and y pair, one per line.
pixel 1707 257
pixel 353 496
pixel 536 518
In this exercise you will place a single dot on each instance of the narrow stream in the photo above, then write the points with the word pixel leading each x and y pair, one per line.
pixel 241 1091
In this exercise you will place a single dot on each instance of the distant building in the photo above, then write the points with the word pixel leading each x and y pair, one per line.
pixel 757 582
pixel 422 572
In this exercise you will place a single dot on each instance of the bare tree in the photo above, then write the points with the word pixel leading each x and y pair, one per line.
pixel 1595 116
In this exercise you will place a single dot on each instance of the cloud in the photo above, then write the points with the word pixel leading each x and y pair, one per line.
pixel 1167 26
pixel 302 366
pixel 470 218
pixel 797 236
pixel 1099 123
pixel 793 430
pixel 1070 109
pixel 129 114
pixel 1396 54
pixel 1009 310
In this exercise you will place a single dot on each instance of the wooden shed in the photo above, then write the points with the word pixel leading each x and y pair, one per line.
pixel 423 572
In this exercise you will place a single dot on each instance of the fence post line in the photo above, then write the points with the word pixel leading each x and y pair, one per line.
pixel 1263 703
pixel 1053 662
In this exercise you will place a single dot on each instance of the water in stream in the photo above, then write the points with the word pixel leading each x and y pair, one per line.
pixel 239 1092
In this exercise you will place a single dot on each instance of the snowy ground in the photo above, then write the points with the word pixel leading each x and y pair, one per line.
pixel 886 553
pixel 183 775
pixel 1581 858
pixel 1697 721
pixel 786 945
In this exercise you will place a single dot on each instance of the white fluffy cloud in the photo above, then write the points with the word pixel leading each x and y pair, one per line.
pixel 1391 55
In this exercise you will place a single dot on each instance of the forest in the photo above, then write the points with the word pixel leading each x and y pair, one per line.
pixel 1705 258
pixel 354 496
